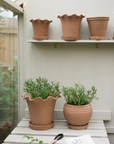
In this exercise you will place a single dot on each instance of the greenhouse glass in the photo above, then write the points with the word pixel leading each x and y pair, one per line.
pixel 8 72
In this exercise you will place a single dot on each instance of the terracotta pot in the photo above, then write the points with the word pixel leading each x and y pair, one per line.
pixel 98 26
pixel 71 26
pixel 41 111
pixel 77 116
pixel 40 28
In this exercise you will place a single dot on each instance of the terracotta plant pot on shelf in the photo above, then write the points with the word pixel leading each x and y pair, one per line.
pixel 40 28
pixel 41 111
pixel 77 109
pixel 77 116
pixel 41 96
pixel 98 26
pixel 71 26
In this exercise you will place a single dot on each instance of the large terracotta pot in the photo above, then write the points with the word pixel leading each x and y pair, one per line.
pixel 98 26
pixel 40 28
pixel 77 116
pixel 41 111
pixel 71 26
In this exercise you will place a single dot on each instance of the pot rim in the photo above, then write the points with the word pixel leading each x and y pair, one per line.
pixel 65 15
pixel 29 97
pixel 40 20
pixel 100 18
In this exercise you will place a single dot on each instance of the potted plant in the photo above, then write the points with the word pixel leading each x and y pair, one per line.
pixel 77 109
pixel 41 96
pixel 71 26
pixel 98 26
pixel 40 28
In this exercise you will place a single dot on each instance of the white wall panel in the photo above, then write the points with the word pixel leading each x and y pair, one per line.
pixel 69 63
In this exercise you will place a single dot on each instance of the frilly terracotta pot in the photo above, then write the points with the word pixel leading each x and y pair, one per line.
pixel 71 26
pixel 41 111
pixel 98 26
pixel 77 116
pixel 40 28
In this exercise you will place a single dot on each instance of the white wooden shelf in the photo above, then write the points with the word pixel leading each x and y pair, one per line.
pixel 77 41
pixel 95 128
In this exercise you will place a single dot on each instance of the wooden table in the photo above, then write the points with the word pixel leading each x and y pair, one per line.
pixel 96 129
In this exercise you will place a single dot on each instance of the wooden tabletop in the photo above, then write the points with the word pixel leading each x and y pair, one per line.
pixel 96 129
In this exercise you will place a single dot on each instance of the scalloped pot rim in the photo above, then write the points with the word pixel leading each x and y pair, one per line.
pixel 41 20
pixel 29 97
pixel 102 18
pixel 71 15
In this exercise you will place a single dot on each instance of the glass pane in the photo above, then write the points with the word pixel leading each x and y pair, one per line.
pixel 8 72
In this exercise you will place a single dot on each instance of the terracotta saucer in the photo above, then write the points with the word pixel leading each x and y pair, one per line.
pixel 97 38
pixel 77 127
pixel 40 37
pixel 70 38
pixel 40 127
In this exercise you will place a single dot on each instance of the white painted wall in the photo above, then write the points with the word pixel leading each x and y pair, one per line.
pixel 69 63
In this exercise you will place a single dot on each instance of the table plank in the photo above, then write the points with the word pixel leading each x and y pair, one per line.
pixel 63 125
pixel 18 139
pixel 91 120
pixel 66 132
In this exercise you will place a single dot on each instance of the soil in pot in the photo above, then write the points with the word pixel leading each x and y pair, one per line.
pixel 40 28
pixel 71 26
pixel 98 26
pixel 77 116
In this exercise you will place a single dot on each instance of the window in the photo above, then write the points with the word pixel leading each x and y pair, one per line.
pixel 8 72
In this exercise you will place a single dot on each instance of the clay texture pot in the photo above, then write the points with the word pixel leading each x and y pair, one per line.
pixel 98 26
pixel 71 26
pixel 41 111
pixel 77 116
pixel 40 28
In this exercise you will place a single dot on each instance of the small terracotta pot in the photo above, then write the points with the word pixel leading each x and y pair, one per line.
pixel 41 111
pixel 71 26
pixel 98 26
pixel 77 116
pixel 40 28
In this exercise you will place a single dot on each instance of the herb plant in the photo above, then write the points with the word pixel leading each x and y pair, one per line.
pixel 41 88
pixel 33 139
pixel 79 95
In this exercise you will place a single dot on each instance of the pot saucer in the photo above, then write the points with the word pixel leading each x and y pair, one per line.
pixel 77 127
pixel 70 38
pixel 40 37
pixel 97 38
pixel 40 127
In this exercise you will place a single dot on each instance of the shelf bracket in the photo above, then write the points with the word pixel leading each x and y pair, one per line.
pixel 97 45
pixel 55 45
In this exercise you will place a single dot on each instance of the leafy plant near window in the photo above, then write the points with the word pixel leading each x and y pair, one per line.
pixel 41 88
pixel 78 95
pixel 9 93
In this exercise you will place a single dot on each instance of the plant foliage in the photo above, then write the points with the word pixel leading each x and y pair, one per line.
pixel 33 139
pixel 9 92
pixel 41 88
pixel 78 95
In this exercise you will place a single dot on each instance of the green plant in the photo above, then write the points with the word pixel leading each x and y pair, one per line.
pixel 79 95
pixel 9 93
pixel 41 88
pixel 33 139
